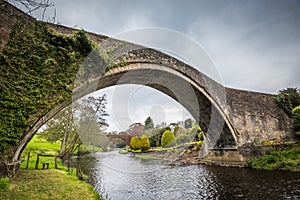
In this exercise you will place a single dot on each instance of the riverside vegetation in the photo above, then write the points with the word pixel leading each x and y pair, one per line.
pixel 51 183
pixel 288 156
pixel 38 67
pixel 180 144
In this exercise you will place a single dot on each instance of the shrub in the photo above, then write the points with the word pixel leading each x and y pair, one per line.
pixel 296 118
pixel 4 184
pixel 135 143
pixel 288 99
pixel 181 139
pixel 144 143
pixel 168 139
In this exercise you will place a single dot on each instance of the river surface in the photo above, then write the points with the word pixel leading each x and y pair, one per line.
pixel 116 176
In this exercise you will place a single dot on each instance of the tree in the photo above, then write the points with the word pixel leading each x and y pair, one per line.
pixel 92 108
pixel 29 6
pixel 168 139
pixel 288 99
pixel 148 124
pixel 188 123
pixel 82 122
pixel 182 139
pixel 296 118
pixel 62 127
pixel 135 129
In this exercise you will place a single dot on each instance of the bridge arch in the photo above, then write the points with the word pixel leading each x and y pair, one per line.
pixel 244 118
pixel 206 110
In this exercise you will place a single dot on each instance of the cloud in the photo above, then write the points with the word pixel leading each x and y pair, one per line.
pixel 128 104
pixel 254 45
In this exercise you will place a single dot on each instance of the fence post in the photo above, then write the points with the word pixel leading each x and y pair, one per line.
pixel 37 162
pixel 55 163
pixel 28 157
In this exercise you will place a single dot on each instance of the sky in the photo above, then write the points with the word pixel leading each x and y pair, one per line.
pixel 247 44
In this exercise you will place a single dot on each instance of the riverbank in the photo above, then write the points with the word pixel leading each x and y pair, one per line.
pixel 60 183
pixel 285 159
pixel 187 154
pixel 47 184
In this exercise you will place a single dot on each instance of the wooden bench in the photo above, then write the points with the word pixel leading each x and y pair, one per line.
pixel 46 164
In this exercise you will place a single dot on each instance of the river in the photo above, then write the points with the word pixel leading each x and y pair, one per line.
pixel 117 176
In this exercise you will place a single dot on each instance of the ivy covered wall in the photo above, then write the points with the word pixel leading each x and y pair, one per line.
pixel 38 67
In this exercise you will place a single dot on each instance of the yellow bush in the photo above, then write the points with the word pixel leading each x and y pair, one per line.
pixel 144 143
pixel 135 143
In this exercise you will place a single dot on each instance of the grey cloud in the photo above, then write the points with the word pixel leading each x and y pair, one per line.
pixel 255 45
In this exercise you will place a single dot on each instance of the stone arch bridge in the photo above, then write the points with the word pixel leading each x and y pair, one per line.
pixel 232 120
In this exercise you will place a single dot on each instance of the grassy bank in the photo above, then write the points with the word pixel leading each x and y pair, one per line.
pixel 282 159
pixel 47 184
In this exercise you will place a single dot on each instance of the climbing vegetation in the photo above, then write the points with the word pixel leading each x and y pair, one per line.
pixel 38 67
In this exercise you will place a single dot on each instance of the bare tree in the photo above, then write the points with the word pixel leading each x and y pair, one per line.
pixel 29 6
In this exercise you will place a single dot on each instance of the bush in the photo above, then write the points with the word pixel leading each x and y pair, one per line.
pixel 181 139
pixel 135 143
pixel 4 184
pixel 144 143
pixel 296 118
pixel 168 139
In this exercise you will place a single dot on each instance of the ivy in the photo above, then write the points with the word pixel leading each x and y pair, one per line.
pixel 37 69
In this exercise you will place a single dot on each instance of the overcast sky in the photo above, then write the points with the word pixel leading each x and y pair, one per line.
pixel 254 45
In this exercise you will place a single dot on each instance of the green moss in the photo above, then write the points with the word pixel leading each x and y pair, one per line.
pixel 38 67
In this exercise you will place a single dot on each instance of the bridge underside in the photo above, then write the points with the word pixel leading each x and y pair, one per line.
pixel 181 89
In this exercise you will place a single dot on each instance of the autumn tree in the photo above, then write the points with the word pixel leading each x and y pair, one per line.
pixel 135 129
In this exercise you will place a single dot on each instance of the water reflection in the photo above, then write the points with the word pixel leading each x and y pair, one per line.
pixel 124 177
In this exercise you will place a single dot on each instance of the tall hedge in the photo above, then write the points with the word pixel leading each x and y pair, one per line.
pixel 168 139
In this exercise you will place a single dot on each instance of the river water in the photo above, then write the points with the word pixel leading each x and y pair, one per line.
pixel 117 176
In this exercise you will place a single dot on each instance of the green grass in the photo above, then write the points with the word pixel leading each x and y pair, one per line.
pixel 143 157
pixel 4 184
pixel 39 145
pixel 45 184
pixel 283 160
pixel 48 184
pixel 123 152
